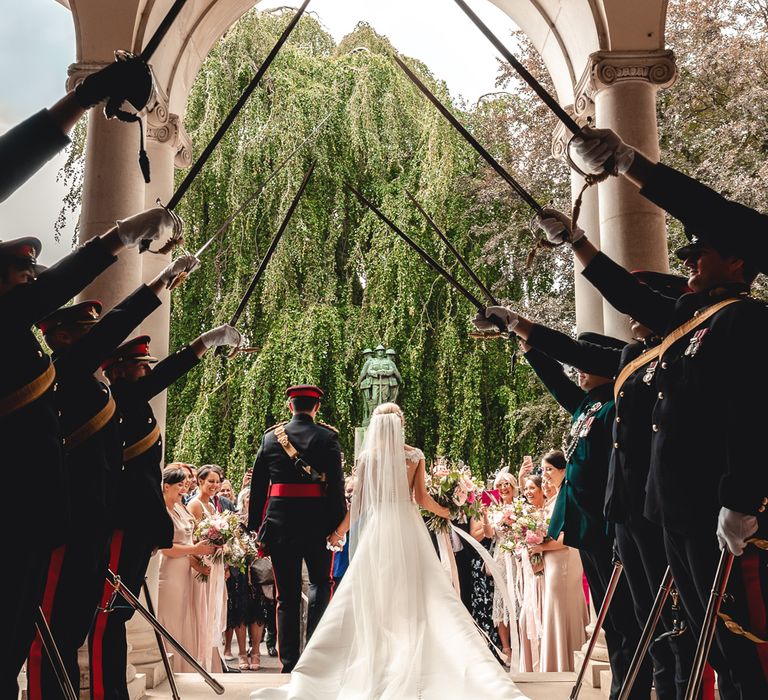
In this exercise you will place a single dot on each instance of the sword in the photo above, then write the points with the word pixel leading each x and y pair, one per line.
pixel 425 256
pixel 161 646
pixel 704 644
pixel 536 86
pixel 618 568
pixel 135 603
pixel 453 250
pixel 256 194
pixel 52 651
pixel 206 154
pixel 268 255
pixel 502 172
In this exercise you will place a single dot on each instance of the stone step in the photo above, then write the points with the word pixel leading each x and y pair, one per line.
pixel 594 668
pixel 536 686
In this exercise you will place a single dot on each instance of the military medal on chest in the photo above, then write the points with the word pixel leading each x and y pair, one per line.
pixel 695 342
pixel 580 429
pixel 650 371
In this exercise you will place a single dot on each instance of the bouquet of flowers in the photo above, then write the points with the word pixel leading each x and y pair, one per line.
pixel 235 546
pixel 521 526
pixel 453 486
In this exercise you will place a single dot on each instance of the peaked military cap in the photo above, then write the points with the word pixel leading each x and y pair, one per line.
pixel 24 251
pixel 136 349
pixel 85 313
pixel 309 390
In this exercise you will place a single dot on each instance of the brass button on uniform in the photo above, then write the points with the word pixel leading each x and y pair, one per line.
pixel 761 509
pixel 664 365
pixel 655 428
pixel 621 394
pixel 661 395
pixel 765 501
pixel 618 419
pixel 615 445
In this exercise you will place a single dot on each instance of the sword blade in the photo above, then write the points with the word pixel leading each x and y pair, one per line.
pixel 272 246
pixel 514 184
pixel 453 250
pixel 537 87
pixel 206 154
pixel 226 224
pixel 161 31
pixel 424 255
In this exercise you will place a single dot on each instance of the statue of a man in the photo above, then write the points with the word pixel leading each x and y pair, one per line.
pixel 385 378
pixel 365 383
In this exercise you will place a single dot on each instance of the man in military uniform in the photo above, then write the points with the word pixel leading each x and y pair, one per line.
pixel 29 428
pixel 578 512
pixel 141 520
pixel 93 454
pixel 639 542
pixel 703 484
pixel 297 501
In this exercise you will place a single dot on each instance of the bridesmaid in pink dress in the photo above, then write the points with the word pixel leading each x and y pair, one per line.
pixel 565 615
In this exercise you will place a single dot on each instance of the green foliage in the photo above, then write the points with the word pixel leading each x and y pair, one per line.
pixel 339 280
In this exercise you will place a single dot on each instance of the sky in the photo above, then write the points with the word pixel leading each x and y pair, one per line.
pixel 34 71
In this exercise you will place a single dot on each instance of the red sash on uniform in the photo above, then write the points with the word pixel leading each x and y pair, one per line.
pixel 297 490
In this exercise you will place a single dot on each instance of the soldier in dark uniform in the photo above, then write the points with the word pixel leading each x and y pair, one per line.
pixel 25 148
pixel 93 455
pixel 639 542
pixel 140 521
pixel 29 429
pixel 578 511
pixel 703 484
pixel 297 501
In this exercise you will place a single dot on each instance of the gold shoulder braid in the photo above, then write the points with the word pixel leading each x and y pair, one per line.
pixel 330 427
pixel 276 425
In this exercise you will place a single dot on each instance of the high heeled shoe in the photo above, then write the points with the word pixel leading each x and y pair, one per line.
pixel 243 663
pixel 254 659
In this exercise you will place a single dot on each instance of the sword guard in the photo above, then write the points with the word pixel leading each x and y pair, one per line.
pixel 176 239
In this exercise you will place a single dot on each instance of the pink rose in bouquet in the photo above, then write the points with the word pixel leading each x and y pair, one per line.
pixel 453 486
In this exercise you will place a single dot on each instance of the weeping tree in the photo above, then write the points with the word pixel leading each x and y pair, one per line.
pixel 340 281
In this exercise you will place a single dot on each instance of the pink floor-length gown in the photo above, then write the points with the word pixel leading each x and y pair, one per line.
pixel 177 581
pixel 565 615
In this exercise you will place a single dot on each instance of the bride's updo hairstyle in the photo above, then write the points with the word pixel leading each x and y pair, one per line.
pixel 384 409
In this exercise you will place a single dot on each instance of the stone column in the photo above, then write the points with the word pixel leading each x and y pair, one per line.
pixel 589 302
pixel 623 86
pixel 167 146
pixel 113 188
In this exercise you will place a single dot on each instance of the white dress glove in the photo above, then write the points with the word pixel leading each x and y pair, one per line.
pixel 595 146
pixel 508 317
pixel 148 225
pixel 184 263
pixel 221 335
pixel 557 227
pixel 734 529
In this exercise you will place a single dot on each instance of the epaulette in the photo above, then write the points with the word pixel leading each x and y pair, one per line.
pixel 276 425
pixel 330 427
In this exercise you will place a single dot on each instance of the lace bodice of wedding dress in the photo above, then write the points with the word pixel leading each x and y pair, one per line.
pixel 395 629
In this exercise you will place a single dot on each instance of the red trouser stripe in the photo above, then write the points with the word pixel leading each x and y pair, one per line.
pixel 758 618
pixel 97 636
pixel 35 661
pixel 708 683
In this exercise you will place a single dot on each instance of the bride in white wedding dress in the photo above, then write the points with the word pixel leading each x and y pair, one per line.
pixel 395 628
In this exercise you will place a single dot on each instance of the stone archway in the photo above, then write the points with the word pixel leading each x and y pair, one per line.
pixel 606 59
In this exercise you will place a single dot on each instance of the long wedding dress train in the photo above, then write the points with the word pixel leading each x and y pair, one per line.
pixel 395 628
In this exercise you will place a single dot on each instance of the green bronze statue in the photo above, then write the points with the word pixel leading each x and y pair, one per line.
pixel 379 380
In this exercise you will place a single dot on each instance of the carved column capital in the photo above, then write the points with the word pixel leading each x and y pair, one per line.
pixel 609 68
pixel 77 72
pixel 165 127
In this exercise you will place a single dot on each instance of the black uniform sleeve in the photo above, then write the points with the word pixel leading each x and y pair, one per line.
pixel 163 375
pixel 335 478
pixel 686 199
pixel 27 304
pixel 25 148
pixel 744 382
pixel 588 357
pixel 86 354
pixel 259 487
pixel 552 375
pixel 628 295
